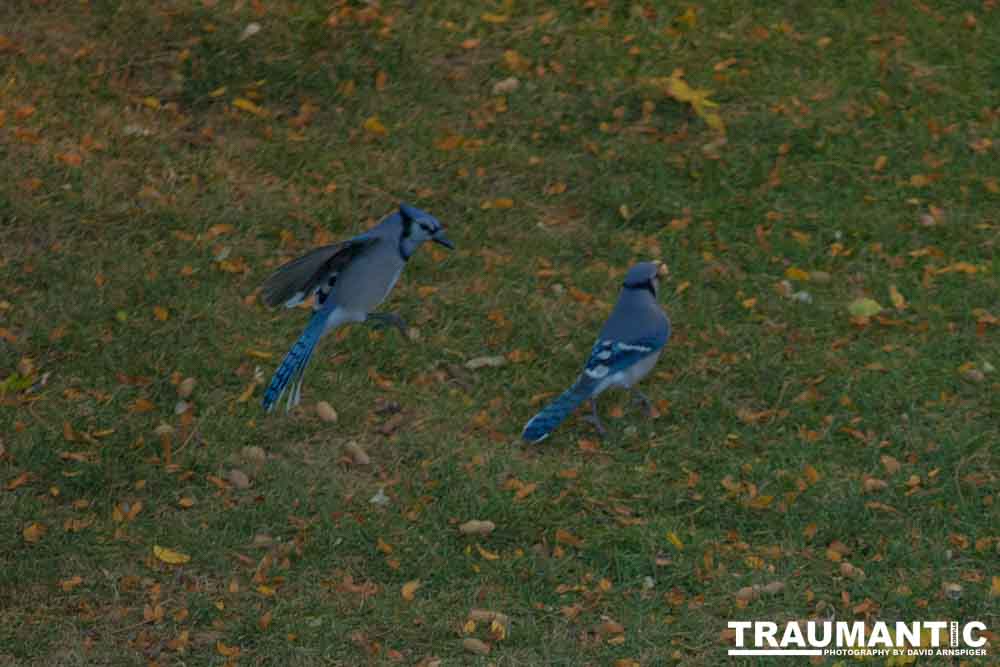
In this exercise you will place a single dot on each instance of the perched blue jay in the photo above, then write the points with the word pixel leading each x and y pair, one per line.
pixel 626 350
pixel 350 279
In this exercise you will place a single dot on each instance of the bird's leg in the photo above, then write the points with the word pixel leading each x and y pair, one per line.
pixel 594 419
pixel 387 319
pixel 642 398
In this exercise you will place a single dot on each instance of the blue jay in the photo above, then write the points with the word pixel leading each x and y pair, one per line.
pixel 350 279
pixel 626 350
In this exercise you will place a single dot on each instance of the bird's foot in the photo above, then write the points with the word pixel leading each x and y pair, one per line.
pixel 648 408
pixel 595 420
pixel 379 320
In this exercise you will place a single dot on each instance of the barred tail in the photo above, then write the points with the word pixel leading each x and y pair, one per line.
pixel 541 425
pixel 294 364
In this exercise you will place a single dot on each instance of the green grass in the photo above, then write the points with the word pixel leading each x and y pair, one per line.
pixel 121 154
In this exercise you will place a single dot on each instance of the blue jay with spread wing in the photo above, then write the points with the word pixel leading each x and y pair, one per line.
pixel 349 279
pixel 626 350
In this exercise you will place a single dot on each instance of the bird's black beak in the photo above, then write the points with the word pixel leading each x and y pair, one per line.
pixel 441 239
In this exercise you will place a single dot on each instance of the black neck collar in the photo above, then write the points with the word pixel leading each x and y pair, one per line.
pixel 644 285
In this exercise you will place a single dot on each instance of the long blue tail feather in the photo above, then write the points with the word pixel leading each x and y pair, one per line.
pixel 294 364
pixel 541 425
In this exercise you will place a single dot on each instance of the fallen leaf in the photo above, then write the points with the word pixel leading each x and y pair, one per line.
pixel 898 300
pixel 69 584
pixel 487 555
pixel 170 556
pixel 890 464
pixel 409 589
pixel 674 540
pixel 873 485
pixel 244 104
pixel 34 532
pixel 677 88
pixel 864 308
pixel 374 126
pixel 226 650
pixel 566 537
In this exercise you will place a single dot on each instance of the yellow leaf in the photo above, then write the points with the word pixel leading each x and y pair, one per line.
pixel 880 163
pixel 244 104
pixel 495 18
pixel 34 532
pixel 170 556
pixel 898 300
pixel 864 308
pixel 689 18
pixel 676 87
pixel 374 126
pixel 488 555
pixel 920 180
pixel 501 203
pixel 795 273
pixel 151 102
pixel 995 588
pixel 674 540
pixel 161 313
pixel 515 61
pixel 761 502
pixel 409 589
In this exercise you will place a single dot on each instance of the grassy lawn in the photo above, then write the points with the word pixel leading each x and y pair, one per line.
pixel 159 159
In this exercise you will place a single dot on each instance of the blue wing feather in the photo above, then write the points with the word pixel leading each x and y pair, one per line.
pixel 608 356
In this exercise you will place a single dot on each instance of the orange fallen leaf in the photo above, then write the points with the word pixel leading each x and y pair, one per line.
pixel 227 651
pixel 409 589
pixel 566 537
pixel 20 480
pixel 141 405
pixel 69 584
